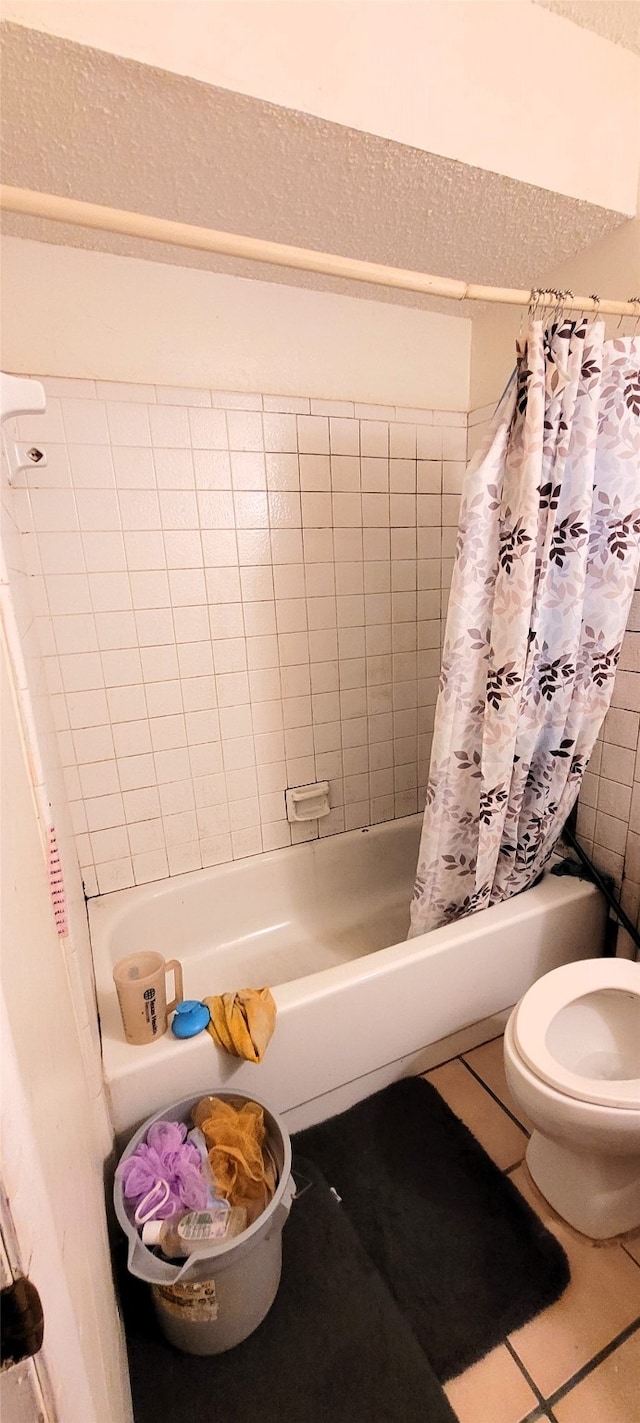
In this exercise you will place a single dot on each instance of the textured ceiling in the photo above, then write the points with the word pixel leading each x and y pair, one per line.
pixel 616 20
pixel 90 125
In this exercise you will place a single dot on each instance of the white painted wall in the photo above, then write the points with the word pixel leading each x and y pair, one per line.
pixel 423 74
pixel 53 1154
pixel 76 313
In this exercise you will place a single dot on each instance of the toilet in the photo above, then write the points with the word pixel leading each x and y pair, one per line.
pixel 572 1060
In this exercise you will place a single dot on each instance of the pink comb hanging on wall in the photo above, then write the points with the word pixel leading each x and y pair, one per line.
pixel 56 883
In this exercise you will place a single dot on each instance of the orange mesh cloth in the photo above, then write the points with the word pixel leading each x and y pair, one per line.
pixel 243 1022
pixel 243 1172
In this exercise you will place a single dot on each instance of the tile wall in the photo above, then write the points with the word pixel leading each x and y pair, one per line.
pixel 27 669
pixel 235 594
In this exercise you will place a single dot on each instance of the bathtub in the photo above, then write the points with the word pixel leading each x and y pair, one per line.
pixel 325 924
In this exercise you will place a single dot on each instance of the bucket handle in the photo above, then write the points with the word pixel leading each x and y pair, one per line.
pixel 289 1195
pixel 301 1190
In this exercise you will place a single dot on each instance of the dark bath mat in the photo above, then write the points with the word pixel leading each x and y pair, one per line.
pixel 334 1347
pixel 464 1256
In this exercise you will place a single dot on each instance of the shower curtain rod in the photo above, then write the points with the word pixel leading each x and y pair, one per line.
pixel 255 249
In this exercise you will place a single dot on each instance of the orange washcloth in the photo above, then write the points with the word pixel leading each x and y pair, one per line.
pixel 243 1023
pixel 242 1168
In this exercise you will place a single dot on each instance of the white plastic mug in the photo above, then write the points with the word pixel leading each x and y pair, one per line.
pixel 140 981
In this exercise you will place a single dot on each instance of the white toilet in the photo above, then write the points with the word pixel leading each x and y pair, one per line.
pixel 572 1059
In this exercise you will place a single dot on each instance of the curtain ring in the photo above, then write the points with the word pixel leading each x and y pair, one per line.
pixel 545 293
pixel 566 294
pixel 533 302
pixel 555 313
pixel 594 297
pixel 635 301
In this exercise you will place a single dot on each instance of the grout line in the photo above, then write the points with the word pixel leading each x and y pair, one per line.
pixel 495 1097
pixel 457 1056
pixel 593 1363
pixel 525 1372
pixel 628 1252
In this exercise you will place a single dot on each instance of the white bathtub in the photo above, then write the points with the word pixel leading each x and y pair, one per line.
pixel 324 924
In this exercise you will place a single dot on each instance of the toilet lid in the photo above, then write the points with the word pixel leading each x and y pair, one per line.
pixel 545 999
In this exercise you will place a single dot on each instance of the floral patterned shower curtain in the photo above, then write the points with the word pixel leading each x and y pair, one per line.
pixel 546 565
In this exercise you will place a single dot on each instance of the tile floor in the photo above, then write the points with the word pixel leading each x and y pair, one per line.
pixel 579 1361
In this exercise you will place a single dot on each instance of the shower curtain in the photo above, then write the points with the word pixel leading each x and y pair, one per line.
pixel 546 565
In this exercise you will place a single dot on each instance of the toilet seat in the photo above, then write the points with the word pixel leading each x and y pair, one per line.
pixel 545 999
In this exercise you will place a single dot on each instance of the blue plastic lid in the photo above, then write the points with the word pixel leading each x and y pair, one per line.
pixel 191 1017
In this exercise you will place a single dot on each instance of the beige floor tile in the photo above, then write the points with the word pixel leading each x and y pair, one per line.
pixel 632 1245
pixel 488 1062
pixel 500 1137
pixel 602 1298
pixel 492 1391
pixel 611 1394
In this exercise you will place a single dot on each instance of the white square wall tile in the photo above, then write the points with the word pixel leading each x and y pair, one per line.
pixel 402 440
pixel 187 587
pixel 139 509
pixel 248 470
pixel 254 546
pixel 97 509
pixel 183 548
pixel 126 704
pixel 179 509
pixel 53 510
pixel 251 509
pixel 128 424
pixel 85 422
pixel 345 473
pixel 280 432
pixel 244 430
pixel 121 666
pixel 429 442
pixel 110 592
pixel 174 468
pixel 374 438
pixel 134 468
pixel 212 469
pixel 169 426
pixel 284 510
pixel 314 473
pixel 454 444
pixel 208 429
pixel 150 866
pixel 313 434
pixel 92 466
pixel 146 835
pixel 59 553
pixel 282 471
pixel 103 552
pixel 344 436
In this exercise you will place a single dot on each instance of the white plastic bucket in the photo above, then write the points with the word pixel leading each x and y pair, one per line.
pixel 210 1303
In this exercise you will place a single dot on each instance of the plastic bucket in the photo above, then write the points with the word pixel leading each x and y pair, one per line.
pixel 207 1305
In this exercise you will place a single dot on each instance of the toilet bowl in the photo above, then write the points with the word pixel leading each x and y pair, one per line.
pixel 572 1060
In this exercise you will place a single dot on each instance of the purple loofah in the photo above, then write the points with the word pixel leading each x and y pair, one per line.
pixel 165 1156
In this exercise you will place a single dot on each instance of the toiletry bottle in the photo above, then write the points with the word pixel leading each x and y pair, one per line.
pixel 181 1235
